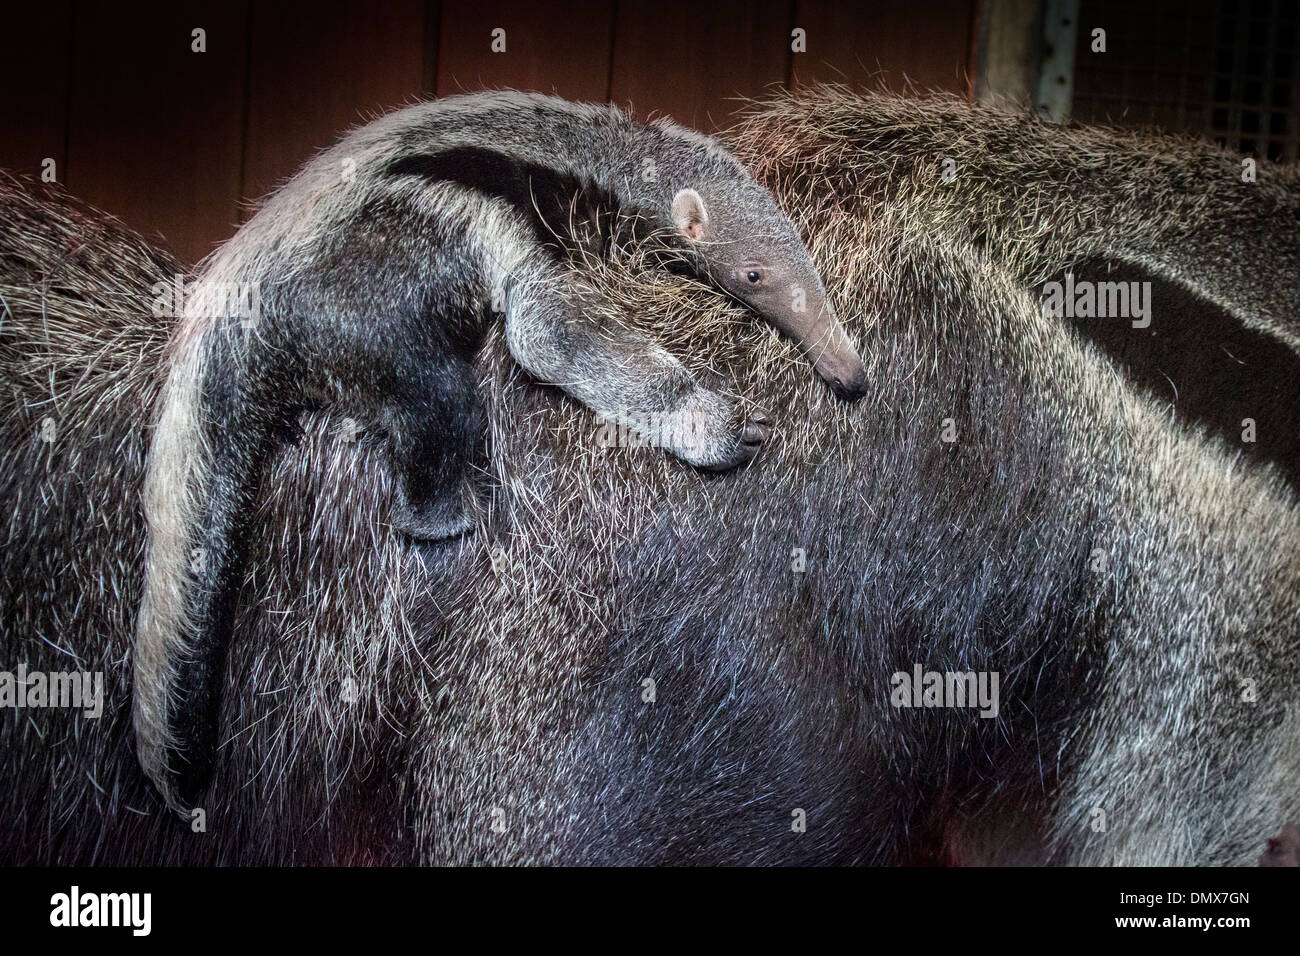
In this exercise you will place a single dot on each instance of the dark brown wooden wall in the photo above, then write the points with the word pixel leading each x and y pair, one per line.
pixel 178 143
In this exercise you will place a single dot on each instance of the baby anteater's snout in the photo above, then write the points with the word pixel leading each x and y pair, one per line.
pixel 848 380
pixel 836 359
pixel 822 339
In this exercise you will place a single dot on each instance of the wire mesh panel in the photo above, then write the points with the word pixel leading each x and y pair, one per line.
pixel 1217 68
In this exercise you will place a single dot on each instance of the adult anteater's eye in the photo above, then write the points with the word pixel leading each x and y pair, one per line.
pixel 754 278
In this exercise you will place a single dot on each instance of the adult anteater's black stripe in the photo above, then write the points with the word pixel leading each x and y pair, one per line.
pixel 1205 362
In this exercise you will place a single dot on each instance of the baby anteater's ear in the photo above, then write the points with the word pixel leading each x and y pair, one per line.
pixel 689 214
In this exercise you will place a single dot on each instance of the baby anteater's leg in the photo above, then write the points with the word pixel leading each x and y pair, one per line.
pixel 624 375
pixel 433 435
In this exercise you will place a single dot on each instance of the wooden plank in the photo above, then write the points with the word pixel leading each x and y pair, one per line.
pixel 1008 43
pixel 35 62
pixel 568 55
pixel 155 129
pixel 319 69
pixel 692 60
pixel 887 43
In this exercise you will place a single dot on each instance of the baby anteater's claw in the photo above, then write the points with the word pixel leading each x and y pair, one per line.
pixel 757 428
pixel 752 434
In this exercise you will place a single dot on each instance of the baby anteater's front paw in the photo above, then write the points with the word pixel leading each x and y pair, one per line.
pixel 755 430
pixel 709 431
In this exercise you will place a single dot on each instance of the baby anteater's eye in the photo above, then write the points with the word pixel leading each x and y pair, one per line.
pixel 753 277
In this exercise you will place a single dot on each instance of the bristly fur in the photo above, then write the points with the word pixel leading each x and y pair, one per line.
pixel 376 268
pixel 1176 205
pixel 485 701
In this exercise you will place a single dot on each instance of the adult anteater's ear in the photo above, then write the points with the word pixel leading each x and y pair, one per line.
pixel 689 215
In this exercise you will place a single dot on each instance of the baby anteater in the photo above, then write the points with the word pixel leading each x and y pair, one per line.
pixel 367 283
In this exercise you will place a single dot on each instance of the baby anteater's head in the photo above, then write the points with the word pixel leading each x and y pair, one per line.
pixel 739 239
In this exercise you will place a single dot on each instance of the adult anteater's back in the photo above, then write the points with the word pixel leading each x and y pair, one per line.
pixel 631 662
pixel 79 350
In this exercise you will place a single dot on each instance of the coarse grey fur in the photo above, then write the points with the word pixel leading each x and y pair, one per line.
pixel 484 700
pixel 375 271
pixel 1192 214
